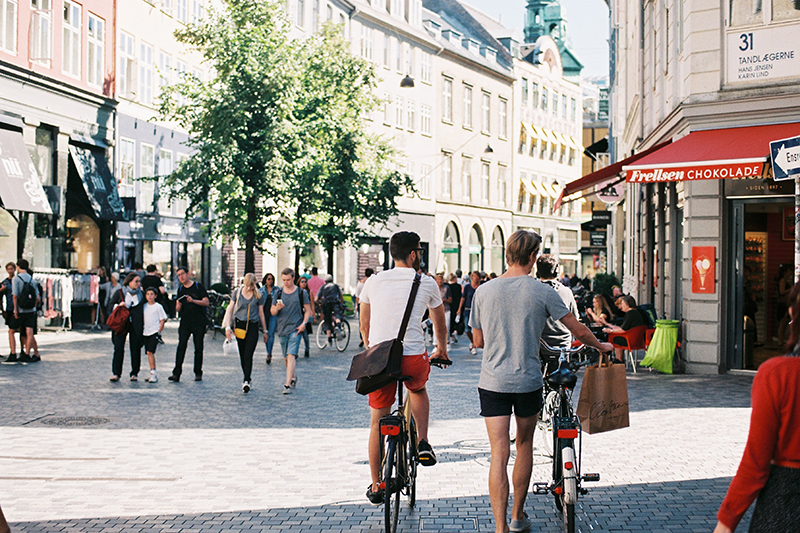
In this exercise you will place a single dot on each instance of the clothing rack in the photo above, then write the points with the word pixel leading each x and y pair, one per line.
pixel 61 304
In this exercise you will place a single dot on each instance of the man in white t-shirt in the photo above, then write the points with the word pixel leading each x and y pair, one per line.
pixel 383 304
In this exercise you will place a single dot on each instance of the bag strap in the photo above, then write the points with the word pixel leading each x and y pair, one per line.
pixel 409 307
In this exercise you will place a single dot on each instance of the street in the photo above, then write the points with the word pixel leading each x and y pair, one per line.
pixel 81 454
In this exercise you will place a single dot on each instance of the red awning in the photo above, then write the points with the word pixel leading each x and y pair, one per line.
pixel 711 154
pixel 599 176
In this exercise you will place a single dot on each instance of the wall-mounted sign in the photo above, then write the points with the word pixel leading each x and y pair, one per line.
pixel 756 186
pixel 785 158
pixel 703 271
pixel 611 193
pixel 763 54
pixel 597 239
pixel 601 218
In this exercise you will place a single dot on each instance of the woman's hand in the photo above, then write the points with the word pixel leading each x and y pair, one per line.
pixel 266 336
pixel 229 334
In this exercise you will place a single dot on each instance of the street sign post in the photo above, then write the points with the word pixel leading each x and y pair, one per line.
pixel 785 158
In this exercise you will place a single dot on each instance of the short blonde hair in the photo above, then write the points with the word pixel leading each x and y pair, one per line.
pixel 521 245
pixel 249 281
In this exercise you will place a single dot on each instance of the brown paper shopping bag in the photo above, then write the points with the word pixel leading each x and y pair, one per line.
pixel 603 404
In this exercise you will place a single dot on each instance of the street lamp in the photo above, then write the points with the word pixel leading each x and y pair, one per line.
pixel 488 149
pixel 407 82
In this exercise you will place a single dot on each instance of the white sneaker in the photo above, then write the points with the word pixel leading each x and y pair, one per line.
pixel 246 387
pixel 153 378
pixel 287 390
pixel 473 351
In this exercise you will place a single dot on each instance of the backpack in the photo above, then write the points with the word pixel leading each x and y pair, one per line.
pixel 119 320
pixel 27 296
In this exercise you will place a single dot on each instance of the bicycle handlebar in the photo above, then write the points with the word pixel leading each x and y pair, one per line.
pixel 549 348
pixel 441 363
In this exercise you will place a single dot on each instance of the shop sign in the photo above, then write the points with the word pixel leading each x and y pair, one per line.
pixel 695 171
pixel 763 54
pixel 611 193
pixel 785 158
pixel 597 239
pixel 450 250
pixel 703 269
pixel 475 248
pixel 756 186
pixel 601 218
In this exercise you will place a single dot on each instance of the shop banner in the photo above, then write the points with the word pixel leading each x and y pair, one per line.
pixel 703 271
pixel 695 171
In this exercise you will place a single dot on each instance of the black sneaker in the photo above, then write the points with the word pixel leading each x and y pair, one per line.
pixel 174 378
pixel 25 358
pixel 306 354
pixel 198 377
pixel 425 453
pixel 35 359
pixel 12 359
pixel 375 498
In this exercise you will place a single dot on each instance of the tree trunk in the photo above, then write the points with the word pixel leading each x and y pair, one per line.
pixel 250 240
pixel 297 260
pixel 329 248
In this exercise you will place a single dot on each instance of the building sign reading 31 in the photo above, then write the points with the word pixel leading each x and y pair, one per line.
pixel 763 54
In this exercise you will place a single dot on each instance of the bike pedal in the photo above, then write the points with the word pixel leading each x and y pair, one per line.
pixel 541 488
pixel 590 477
pixel 583 491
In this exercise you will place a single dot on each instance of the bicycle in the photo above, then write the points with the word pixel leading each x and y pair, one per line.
pixel 399 458
pixel 215 311
pixel 340 335
pixel 566 428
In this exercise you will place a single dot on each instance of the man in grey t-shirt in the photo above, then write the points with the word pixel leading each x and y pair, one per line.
pixel 26 314
pixel 507 319
pixel 293 309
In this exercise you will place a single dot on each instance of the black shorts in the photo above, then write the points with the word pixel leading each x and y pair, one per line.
pixel 524 404
pixel 150 343
pixel 27 320
pixel 11 322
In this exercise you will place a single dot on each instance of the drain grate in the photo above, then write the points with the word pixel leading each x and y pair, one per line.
pixel 75 421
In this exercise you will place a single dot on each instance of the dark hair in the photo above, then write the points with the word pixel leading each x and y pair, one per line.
pixel 368 272
pixel 630 300
pixel 181 268
pixel 268 274
pixel 23 264
pixel 458 273
pixel 794 325
pixel 130 277
pixel 314 271
pixel 151 268
pixel 521 245
pixel 11 263
pixel 402 244
pixel 288 272
pixel 137 265
pixel 151 289
pixel 546 266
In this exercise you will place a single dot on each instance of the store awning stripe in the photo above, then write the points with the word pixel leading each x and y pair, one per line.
pixel 99 184
pixel 20 185
pixel 529 186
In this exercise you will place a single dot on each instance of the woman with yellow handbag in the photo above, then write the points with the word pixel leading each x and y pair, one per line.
pixel 241 321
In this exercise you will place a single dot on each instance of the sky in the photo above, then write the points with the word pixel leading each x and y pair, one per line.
pixel 587 27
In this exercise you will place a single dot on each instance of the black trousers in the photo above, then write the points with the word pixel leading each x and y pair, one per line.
pixel 247 347
pixel 197 332
pixel 119 353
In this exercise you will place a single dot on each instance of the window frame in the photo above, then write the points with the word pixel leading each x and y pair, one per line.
pixel 486 112
pixel 447 99
pixel 466 121
pixel 75 35
pixel 98 45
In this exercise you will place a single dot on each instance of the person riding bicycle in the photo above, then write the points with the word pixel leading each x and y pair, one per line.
pixel 332 302
pixel 507 319
pixel 555 333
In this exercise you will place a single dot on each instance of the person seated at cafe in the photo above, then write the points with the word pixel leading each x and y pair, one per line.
pixel 633 318
pixel 600 312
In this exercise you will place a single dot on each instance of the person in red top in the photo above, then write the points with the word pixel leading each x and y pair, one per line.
pixel 770 467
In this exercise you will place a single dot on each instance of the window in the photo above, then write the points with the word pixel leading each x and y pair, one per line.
pixel 425 119
pixel 563 106
pixel 785 10
pixel 387 50
pixel 71 36
pixel 502 184
pixel 166 6
pixel 447 100
pixel 41 29
pixel 164 69
pixel 467 123
pixel 503 118
pixel 524 91
pixel 396 8
pixel 562 154
pixel 8 25
pixel 366 43
pixel 485 181
pixel 543 149
pixel 164 169
pixel 328 13
pixel 315 15
pixel 410 174
pixel 180 10
pixel 568 241
pixel 522 196
pixel 399 111
pixel 197 11
pixel 387 111
pixel 145 74
pixel 573 106
pixel 425 181
pixel 535 95
pixel 544 99
pixel 571 156
pixel 147 167
pixel 523 141
pixel 555 104
pixel 532 153
pixel 425 67
pixel 553 151
pixel 127 164
pixel 447 175
pixel 466 178
pixel 126 84
pixel 398 55
pixel 486 113
pixel 96 53
pixel 301 13
pixel 412 119
pixel 410 52
pixel 744 12
pixel 414 12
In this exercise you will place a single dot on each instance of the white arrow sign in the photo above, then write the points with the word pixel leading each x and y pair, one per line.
pixel 788 159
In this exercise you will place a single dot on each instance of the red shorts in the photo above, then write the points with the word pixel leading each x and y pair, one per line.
pixel 417 367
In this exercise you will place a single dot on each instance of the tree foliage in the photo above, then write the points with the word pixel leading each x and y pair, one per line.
pixel 281 153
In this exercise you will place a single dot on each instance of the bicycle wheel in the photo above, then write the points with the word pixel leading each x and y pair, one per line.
pixel 545 423
pixel 568 515
pixel 322 337
pixel 569 495
pixel 391 498
pixel 411 461
pixel 343 336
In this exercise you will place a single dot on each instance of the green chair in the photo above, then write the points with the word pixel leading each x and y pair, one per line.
pixel 349 305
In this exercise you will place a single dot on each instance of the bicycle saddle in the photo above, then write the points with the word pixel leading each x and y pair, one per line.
pixel 562 376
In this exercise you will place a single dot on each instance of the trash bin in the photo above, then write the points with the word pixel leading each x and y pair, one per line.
pixel 662 346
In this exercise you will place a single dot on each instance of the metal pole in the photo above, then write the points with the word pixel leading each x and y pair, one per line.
pixel 797 229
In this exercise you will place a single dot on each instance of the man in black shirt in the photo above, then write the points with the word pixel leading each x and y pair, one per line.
pixel 191 304
pixel 153 280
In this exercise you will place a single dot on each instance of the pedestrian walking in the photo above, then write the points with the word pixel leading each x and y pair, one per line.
pixel 191 304
pixel 383 302
pixel 270 290
pixel 26 296
pixel 315 282
pixel 303 284
pixel 447 299
pixel 293 309
pixel 769 472
pixel 555 333
pixel 359 287
pixel 154 319
pixel 7 301
pixel 152 279
pixel 507 317
pixel 332 303
pixel 131 297
pixel 455 302
pixel 242 318
pixel 466 306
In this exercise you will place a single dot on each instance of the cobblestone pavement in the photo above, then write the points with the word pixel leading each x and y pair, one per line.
pixel 203 457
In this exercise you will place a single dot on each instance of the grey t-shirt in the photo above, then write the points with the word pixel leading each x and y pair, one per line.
pixel 16 286
pixel 240 312
pixel 291 316
pixel 555 333
pixel 511 313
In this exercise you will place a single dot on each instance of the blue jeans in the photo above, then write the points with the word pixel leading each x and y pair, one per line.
pixel 272 323
pixel 290 344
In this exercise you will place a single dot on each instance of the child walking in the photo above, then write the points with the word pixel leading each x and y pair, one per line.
pixel 154 319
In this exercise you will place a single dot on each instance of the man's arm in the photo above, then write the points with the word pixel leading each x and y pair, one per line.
pixel 582 333
pixel 16 308
pixel 363 323
pixel 440 329
pixel 477 337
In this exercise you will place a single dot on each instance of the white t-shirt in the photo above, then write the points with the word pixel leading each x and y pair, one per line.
pixel 153 315
pixel 387 295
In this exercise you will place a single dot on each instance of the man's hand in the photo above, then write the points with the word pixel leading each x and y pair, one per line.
pixel 606 347
pixel 301 328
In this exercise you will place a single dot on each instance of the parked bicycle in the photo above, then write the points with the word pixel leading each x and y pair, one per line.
pixel 566 429
pixel 399 458
pixel 340 336
pixel 215 312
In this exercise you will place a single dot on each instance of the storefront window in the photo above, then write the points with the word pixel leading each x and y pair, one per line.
pixel 498 252
pixel 475 248
pixel 159 253
pixel 451 248
pixel 193 259
pixel 83 243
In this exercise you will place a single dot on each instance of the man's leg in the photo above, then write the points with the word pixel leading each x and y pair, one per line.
pixel 290 360
pixel 28 340
pixel 375 444
pixel 12 341
pixel 499 441
pixel 198 336
pixel 523 464
pixel 180 353
pixel 421 409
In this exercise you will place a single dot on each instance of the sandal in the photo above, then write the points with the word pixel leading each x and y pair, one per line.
pixel 375 498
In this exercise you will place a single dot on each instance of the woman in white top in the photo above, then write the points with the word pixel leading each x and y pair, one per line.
pixel 154 319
